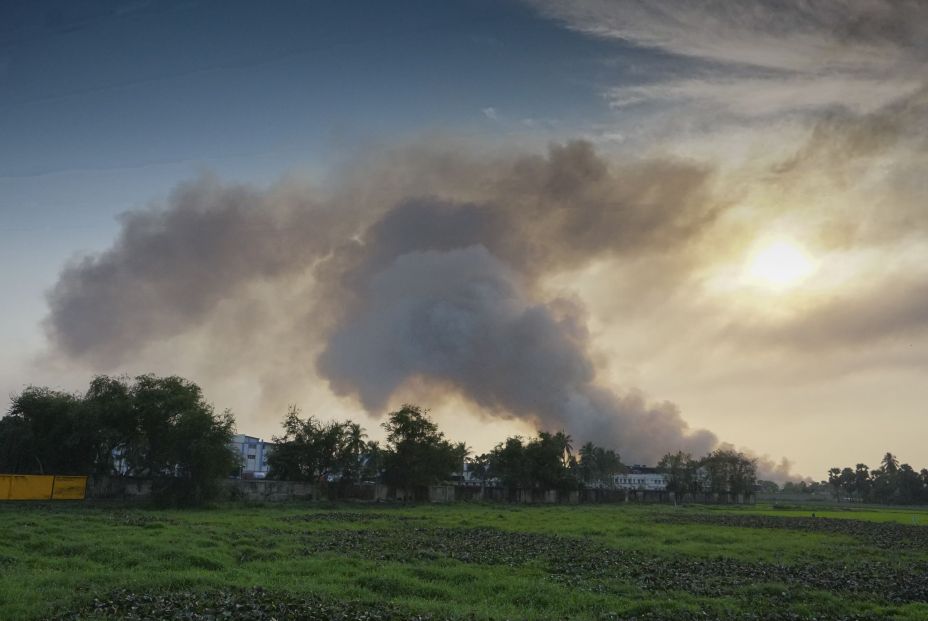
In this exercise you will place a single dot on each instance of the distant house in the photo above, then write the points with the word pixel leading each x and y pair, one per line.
pixel 253 453
pixel 473 475
pixel 641 477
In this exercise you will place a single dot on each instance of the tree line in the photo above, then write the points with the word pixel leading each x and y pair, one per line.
pixel 162 428
pixel 890 483
pixel 417 454
pixel 159 428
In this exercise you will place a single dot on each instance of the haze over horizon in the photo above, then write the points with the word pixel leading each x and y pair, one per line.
pixel 658 225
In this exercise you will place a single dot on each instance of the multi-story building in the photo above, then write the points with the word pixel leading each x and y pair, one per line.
pixel 641 477
pixel 254 453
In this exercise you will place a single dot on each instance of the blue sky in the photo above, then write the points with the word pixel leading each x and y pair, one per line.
pixel 186 83
pixel 104 106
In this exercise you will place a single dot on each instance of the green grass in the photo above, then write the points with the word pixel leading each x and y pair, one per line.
pixel 59 558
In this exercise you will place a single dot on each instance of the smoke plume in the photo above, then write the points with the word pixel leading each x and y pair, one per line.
pixel 422 265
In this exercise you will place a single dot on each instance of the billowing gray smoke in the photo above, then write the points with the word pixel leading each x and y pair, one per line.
pixel 427 267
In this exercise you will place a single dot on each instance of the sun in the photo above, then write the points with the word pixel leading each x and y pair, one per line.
pixel 779 265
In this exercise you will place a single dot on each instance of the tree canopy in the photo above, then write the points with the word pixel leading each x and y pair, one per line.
pixel 417 452
pixel 156 427
pixel 312 450
pixel 891 483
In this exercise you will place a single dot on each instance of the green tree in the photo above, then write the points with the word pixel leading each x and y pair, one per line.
pixel 199 456
pixel 544 462
pixel 834 480
pixel 508 463
pixel 46 432
pixel 882 486
pixel 565 444
pixel 768 487
pixel 156 427
pixel 480 467
pixel 417 453
pixel 372 461
pixel 862 481
pixel 847 480
pixel 890 464
pixel 730 471
pixel 353 451
pixel 908 485
pixel 597 465
pixel 680 469
pixel 182 443
pixel 108 403
pixel 311 450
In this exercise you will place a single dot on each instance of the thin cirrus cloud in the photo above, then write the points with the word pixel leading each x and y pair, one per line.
pixel 761 57
pixel 759 97
pixel 832 35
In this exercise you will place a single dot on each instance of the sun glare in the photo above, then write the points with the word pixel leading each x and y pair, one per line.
pixel 779 265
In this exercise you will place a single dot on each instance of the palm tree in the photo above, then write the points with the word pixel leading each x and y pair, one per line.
pixel 354 446
pixel 373 462
pixel 587 461
pixel 890 463
pixel 462 451
pixel 566 444
pixel 354 438
pixel 862 481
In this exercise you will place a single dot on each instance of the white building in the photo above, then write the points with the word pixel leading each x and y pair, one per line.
pixel 253 452
pixel 641 477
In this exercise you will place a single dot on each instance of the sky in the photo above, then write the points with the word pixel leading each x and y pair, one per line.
pixel 658 225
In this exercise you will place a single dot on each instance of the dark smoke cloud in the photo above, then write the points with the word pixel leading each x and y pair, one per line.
pixel 460 317
pixel 424 268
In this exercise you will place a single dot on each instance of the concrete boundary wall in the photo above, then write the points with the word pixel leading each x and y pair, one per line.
pixel 264 490
pixel 272 491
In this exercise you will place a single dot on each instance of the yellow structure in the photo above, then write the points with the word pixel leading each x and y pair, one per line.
pixel 41 487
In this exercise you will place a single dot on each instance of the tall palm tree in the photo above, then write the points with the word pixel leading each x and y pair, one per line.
pixel 890 463
pixel 566 444
pixel 373 460
pixel 588 464
pixel 462 451
pixel 354 446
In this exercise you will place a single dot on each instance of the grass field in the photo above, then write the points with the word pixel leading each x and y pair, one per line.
pixel 298 561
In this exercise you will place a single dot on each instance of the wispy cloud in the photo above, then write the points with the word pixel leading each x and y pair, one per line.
pixel 758 97
pixel 836 35
pixel 762 56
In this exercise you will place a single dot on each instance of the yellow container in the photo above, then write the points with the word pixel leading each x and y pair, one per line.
pixel 69 488
pixel 42 487
pixel 31 487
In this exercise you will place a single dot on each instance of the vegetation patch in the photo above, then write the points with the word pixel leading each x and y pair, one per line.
pixel 440 562
pixel 585 568
pixel 346 516
pixel 258 604
pixel 484 546
pixel 582 563
pixel 889 535
pixel 250 604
